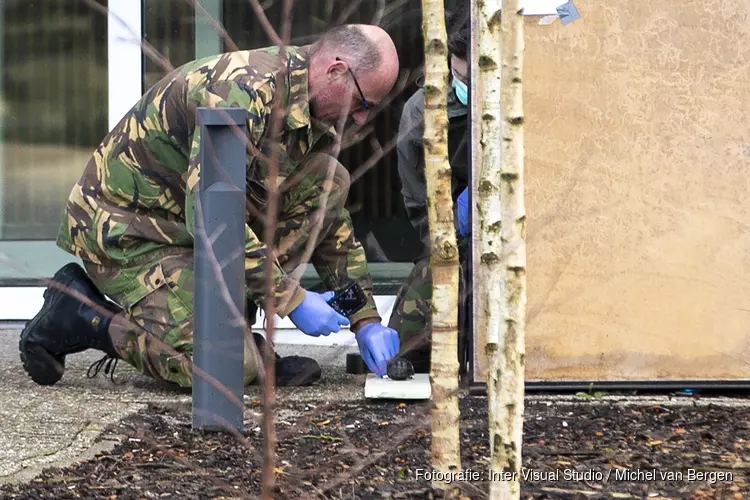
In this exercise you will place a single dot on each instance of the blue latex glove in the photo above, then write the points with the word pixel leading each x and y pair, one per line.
pixel 315 317
pixel 463 213
pixel 377 345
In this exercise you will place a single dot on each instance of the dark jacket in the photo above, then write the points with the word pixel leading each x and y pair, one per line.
pixel 411 159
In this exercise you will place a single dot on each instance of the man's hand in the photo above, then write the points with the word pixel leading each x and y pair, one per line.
pixel 463 213
pixel 377 345
pixel 315 317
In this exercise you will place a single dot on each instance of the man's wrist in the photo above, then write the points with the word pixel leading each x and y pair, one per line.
pixel 295 299
pixel 361 323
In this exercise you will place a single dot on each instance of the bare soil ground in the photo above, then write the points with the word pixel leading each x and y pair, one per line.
pixel 578 449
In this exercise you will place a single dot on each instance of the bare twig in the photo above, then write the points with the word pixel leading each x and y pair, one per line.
pixel 350 9
pixel 214 23
pixel 267 26
pixel 378 13
pixel 269 431
pixel 147 48
pixel 371 458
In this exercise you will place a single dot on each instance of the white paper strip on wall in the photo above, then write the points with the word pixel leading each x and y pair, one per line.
pixel 541 7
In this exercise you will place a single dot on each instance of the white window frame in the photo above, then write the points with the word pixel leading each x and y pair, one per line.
pixel 125 68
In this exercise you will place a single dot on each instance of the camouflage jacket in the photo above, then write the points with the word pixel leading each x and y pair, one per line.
pixel 137 192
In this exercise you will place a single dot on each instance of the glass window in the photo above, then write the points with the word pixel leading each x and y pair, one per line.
pixel 54 109
pixel 169 27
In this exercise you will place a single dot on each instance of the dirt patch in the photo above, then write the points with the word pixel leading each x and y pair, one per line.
pixel 584 449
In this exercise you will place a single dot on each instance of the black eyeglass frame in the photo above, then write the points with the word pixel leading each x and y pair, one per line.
pixel 365 103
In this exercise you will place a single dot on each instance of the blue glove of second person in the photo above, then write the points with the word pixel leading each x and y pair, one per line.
pixel 463 213
pixel 315 317
pixel 377 345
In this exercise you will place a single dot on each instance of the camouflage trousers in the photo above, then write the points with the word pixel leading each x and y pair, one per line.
pixel 154 333
pixel 412 311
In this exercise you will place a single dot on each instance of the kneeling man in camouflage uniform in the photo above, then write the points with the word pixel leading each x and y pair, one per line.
pixel 130 217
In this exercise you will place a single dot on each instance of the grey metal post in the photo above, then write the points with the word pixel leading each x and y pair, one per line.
pixel 218 351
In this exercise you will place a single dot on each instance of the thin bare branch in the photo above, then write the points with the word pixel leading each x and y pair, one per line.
pixel 146 47
pixel 216 25
pixel 269 410
pixel 378 13
pixel 267 26
pixel 351 8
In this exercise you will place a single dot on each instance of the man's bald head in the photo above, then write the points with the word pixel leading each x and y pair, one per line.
pixel 347 56
pixel 350 40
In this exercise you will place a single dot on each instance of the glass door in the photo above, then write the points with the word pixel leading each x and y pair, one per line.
pixel 59 98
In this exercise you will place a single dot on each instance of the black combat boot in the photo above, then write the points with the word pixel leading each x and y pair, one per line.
pixel 66 325
pixel 290 370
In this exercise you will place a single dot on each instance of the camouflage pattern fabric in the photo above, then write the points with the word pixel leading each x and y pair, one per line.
pixel 412 310
pixel 137 194
pixel 411 316
pixel 312 207
pixel 156 291
pixel 155 333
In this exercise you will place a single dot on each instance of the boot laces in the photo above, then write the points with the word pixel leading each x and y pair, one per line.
pixel 110 362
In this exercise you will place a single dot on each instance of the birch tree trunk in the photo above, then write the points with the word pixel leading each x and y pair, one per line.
pixel 490 283
pixel 445 453
pixel 503 247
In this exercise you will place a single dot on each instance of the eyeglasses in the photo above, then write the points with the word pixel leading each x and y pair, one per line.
pixel 365 104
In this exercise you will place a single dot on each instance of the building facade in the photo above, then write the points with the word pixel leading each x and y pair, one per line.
pixel 70 70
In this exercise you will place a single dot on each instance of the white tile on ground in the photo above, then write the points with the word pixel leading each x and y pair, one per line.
pixel 296 337
pixel 417 387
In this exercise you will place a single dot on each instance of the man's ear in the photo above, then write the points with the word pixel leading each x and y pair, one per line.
pixel 336 70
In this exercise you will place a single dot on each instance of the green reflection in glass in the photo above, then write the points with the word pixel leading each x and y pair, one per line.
pixel 54 82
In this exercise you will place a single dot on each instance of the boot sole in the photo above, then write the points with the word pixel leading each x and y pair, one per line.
pixel 43 367
pixel 302 378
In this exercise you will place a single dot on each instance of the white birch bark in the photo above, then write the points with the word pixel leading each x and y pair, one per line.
pixel 503 247
pixel 445 453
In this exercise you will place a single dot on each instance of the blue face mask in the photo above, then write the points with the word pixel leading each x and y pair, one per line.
pixel 462 92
